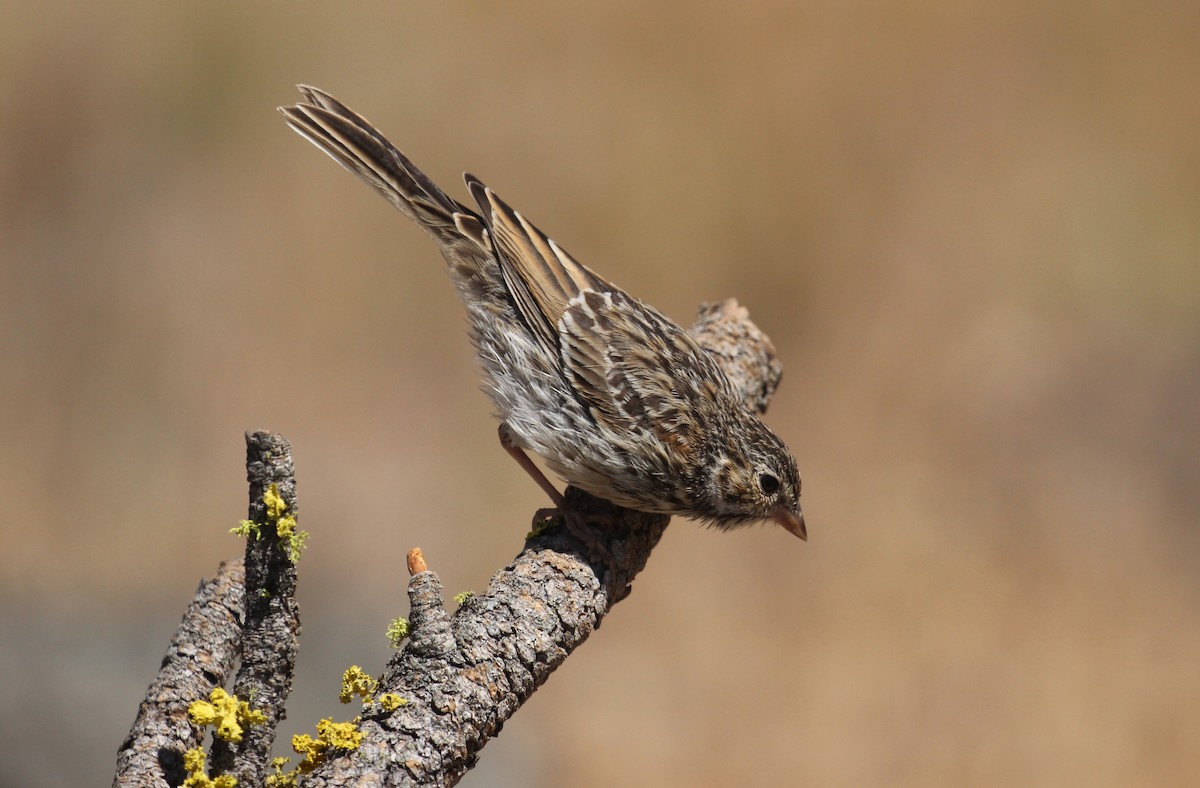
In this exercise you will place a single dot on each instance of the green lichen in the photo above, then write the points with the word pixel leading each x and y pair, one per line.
pixel 461 598
pixel 545 524
pixel 397 631
pixel 247 528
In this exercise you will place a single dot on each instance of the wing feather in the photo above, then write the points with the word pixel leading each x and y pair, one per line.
pixel 633 367
pixel 541 277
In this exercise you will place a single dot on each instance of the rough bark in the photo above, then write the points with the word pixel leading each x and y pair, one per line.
pixel 271 638
pixel 201 656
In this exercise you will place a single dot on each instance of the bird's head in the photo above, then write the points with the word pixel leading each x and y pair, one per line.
pixel 754 479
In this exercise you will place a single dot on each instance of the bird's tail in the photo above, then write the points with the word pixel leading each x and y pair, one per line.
pixel 351 141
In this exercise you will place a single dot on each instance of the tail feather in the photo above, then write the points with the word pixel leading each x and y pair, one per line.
pixel 354 143
pixel 536 277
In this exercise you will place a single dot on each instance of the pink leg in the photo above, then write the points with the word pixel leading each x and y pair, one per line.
pixel 574 521
pixel 514 451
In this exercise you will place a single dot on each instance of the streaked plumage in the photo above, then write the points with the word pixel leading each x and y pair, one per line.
pixel 616 398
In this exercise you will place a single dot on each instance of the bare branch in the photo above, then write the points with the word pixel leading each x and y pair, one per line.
pixel 272 631
pixel 201 656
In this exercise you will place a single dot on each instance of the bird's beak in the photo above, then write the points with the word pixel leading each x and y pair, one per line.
pixel 792 521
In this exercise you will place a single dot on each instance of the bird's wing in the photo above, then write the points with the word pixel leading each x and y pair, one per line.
pixel 638 371
pixel 541 277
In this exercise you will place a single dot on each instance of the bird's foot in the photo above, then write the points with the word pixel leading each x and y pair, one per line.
pixel 576 522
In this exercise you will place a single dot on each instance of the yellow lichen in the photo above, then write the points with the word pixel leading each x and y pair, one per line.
pixel 463 597
pixel 250 716
pixel 193 764
pixel 291 538
pixel 226 714
pixel 339 735
pixel 274 503
pixel 330 736
pixel 356 681
pixel 390 701
pixel 282 779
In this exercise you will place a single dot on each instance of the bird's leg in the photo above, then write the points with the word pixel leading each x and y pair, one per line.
pixel 535 473
pixel 573 519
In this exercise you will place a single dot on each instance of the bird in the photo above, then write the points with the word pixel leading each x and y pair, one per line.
pixel 613 396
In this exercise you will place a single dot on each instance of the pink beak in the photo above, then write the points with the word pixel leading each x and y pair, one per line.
pixel 792 521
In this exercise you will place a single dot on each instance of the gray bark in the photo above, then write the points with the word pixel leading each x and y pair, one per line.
pixel 201 656
pixel 271 638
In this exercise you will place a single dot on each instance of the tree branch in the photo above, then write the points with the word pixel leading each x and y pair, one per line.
pixel 270 640
pixel 201 655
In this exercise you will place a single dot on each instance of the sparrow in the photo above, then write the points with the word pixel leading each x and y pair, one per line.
pixel 613 396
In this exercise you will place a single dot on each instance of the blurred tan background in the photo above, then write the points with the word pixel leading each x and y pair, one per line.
pixel 973 232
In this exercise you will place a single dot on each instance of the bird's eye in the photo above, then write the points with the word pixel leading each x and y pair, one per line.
pixel 768 483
